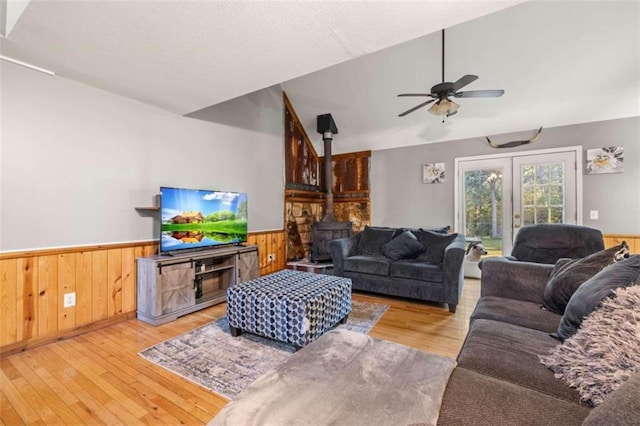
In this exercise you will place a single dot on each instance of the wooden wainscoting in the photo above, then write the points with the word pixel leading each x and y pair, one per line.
pixel 270 242
pixel 33 285
pixel 611 240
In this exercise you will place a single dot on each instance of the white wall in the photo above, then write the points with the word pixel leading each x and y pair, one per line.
pixel 399 198
pixel 75 161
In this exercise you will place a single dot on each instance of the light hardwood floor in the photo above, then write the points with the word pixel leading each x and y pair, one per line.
pixel 98 378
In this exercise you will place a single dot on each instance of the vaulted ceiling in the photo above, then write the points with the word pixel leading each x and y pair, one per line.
pixel 559 62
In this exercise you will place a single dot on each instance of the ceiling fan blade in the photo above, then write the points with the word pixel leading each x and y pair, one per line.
pixel 480 94
pixel 416 94
pixel 463 81
pixel 415 108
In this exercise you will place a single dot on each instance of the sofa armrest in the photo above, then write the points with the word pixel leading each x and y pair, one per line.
pixel 453 273
pixel 514 280
pixel 341 248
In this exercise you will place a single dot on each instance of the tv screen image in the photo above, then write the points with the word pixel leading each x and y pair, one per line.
pixel 198 218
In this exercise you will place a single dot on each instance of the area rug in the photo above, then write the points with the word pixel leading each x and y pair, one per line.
pixel 212 358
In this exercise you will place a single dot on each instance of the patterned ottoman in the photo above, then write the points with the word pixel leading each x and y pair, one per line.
pixel 289 306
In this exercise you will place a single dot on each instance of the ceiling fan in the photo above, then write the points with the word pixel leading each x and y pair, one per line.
pixel 441 93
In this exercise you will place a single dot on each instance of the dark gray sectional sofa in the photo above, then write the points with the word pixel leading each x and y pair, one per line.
pixel 499 379
pixel 423 264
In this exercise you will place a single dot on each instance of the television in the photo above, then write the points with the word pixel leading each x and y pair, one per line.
pixel 199 219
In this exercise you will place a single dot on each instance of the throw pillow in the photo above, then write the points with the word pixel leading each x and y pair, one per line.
pixel 435 243
pixel 567 276
pixel 372 240
pixel 590 294
pixel 404 246
pixel 605 352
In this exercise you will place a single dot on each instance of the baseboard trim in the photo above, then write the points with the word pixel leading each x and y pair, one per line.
pixel 26 344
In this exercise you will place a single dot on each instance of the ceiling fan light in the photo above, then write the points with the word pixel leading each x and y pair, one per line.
pixel 444 107
pixel 453 107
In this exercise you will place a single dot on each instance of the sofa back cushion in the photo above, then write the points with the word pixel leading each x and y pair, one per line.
pixel 435 243
pixel 591 294
pixel 404 246
pixel 439 230
pixel 567 276
pixel 372 240
pixel 546 243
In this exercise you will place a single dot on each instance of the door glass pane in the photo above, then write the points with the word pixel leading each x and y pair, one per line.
pixel 483 208
pixel 556 174
pixel 542 174
pixel 556 195
pixel 528 216
pixel 556 214
pixel 542 193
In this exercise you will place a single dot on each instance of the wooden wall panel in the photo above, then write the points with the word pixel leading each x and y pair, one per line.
pixel 8 293
pixel 84 288
pixel 99 303
pixel 27 285
pixel 114 282
pixel 33 284
pixel 47 294
pixel 615 239
pixel 129 279
pixel 66 284
pixel 269 242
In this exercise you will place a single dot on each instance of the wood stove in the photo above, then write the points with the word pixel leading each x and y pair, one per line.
pixel 328 229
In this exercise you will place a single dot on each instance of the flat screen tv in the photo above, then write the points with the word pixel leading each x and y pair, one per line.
pixel 198 218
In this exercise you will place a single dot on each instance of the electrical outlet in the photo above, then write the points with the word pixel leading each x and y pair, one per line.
pixel 271 258
pixel 593 214
pixel 69 300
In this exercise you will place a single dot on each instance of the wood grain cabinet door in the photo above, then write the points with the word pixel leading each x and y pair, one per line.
pixel 248 266
pixel 175 287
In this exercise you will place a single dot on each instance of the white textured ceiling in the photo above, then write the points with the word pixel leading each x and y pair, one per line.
pixel 187 55
pixel 559 62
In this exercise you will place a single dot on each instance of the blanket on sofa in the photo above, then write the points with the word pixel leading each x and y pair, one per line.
pixel 345 378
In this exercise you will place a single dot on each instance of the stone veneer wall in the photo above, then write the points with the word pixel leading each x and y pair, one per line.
pixel 305 213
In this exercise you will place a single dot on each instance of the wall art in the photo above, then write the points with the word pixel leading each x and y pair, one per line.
pixel 605 160
pixel 433 173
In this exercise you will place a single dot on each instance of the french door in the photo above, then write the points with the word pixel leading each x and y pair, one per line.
pixel 496 195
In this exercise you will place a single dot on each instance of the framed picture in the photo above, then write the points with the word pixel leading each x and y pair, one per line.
pixel 433 173
pixel 605 160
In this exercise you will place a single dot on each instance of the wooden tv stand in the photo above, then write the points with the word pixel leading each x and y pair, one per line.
pixel 172 286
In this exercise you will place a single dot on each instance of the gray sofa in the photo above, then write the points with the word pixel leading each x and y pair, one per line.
pixel 423 264
pixel 499 378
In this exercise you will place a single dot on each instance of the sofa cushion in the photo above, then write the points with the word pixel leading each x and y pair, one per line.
pixel 475 399
pixel 516 312
pixel 508 352
pixel 620 408
pixel 439 230
pixel 372 240
pixel 590 294
pixel 367 265
pixel 416 270
pixel 404 246
pixel 435 243
pixel 567 276
pixel 605 351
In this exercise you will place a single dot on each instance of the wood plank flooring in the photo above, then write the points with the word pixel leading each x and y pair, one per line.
pixel 98 377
